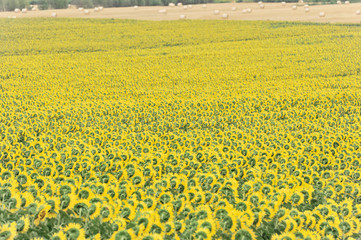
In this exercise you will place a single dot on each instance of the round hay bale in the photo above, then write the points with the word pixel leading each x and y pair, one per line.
pixel 190 6
pixel 24 10
pixel 80 9
pixel 322 14
pixel 283 3
pixel 33 9
pixel 86 12
pixel 216 12
pixel 234 9
pixel 54 14
pixel 185 7
pixel 171 5
pixel 163 11
pixel 182 17
pixel 100 8
pixel 96 9
pixel 249 10
pixel 307 10
pixel 347 2
pixel 179 4
pixel 260 2
pixel 261 6
pixel 204 6
pixel 339 2
pixel 17 10
pixel 225 16
pixel 358 12
pixel 135 7
pixel 244 11
pixel 294 7
pixel 306 6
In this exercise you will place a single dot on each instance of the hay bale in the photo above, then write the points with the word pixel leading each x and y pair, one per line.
pixel 294 7
pixel 204 6
pixel 17 10
pixel 190 6
pixel 225 16
pixel 216 12
pixel 322 14
pixel 261 6
pixel 306 6
pixel 86 12
pixel 249 10
pixel 100 8
pixel 347 2
pixel 339 2
pixel 307 10
pixel 54 14
pixel 80 9
pixel 182 17
pixel 179 4
pixel 233 8
pixel 34 9
pixel 171 5
pixel 260 2
pixel 244 11
pixel 185 7
pixel 163 11
pixel 358 12
pixel 135 7
pixel 96 9
pixel 24 10
pixel 283 3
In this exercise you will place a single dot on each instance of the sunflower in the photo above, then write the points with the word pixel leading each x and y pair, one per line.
pixel 244 233
pixel 97 210
pixel 74 231
pixel 9 231
pixel 42 214
pixel 24 224
pixel 59 236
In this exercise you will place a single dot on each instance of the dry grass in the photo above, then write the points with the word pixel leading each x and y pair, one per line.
pixel 272 11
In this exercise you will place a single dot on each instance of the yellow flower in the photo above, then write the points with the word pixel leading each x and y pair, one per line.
pixel 10 229
pixel 97 237
pixel 26 224
pixel 76 230
pixel 61 235
pixel 44 213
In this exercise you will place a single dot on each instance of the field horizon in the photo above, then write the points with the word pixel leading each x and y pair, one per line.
pixel 272 12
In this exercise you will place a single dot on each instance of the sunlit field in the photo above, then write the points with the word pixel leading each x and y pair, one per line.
pixel 124 129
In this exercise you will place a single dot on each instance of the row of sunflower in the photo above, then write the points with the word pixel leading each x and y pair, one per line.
pixel 120 129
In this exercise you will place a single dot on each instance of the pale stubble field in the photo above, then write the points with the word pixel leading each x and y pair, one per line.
pixel 272 11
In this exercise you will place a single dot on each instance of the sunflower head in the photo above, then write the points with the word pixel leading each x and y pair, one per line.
pixel 246 234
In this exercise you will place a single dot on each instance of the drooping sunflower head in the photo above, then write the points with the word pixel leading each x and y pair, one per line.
pixel 245 233
pixel 74 231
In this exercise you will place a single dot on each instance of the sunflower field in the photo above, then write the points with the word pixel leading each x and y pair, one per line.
pixel 120 129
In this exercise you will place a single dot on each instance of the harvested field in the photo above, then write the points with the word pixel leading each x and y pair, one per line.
pixel 272 11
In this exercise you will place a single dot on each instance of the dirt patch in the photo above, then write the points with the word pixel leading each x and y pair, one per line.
pixel 272 11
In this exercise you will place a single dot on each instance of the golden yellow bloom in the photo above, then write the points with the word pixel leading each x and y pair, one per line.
pixel 42 214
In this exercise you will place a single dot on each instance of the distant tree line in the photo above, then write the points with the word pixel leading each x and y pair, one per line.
pixel 10 5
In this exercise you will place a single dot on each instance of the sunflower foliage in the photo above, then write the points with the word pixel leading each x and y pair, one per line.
pixel 119 129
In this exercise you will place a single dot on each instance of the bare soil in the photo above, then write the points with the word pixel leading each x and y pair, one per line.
pixel 272 11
